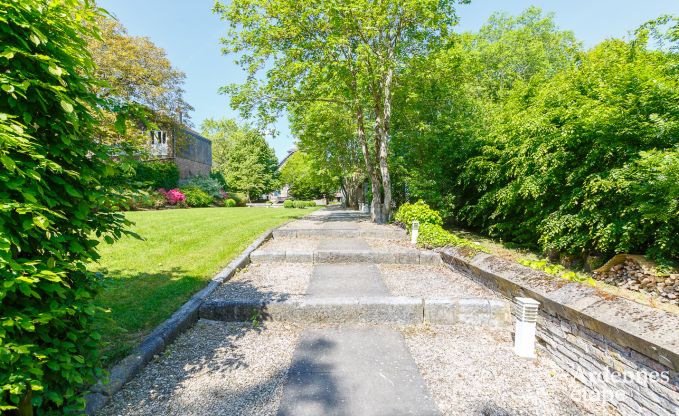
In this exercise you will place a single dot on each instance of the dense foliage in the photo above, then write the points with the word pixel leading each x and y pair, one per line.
pixel 306 178
pixel 243 157
pixel 547 146
pixel 138 78
pixel 196 197
pixel 53 207
pixel 156 174
pixel 431 234
pixel 210 185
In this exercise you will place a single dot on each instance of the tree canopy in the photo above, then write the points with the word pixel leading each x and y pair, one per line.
pixel 347 53
pixel 307 179
pixel 137 77
pixel 242 155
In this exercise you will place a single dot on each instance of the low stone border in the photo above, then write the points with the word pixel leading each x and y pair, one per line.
pixel 165 333
pixel 346 256
pixel 376 310
pixel 321 233
pixel 591 332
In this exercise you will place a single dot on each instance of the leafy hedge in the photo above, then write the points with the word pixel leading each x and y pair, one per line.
pixel 552 147
pixel 289 203
pixel 157 174
pixel 53 207
pixel 196 197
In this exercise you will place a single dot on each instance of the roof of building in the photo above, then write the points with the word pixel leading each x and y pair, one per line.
pixel 285 159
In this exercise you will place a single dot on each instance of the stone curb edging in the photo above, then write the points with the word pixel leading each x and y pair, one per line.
pixel 650 332
pixel 346 256
pixel 314 233
pixel 165 333
pixel 377 309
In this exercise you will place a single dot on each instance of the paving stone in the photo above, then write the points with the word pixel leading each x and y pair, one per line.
pixel 344 244
pixel 335 280
pixel 352 371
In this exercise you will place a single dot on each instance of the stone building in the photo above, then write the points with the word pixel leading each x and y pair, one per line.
pixel 191 152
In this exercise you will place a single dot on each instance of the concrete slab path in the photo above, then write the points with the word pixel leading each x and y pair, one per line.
pixel 344 372
pixel 355 280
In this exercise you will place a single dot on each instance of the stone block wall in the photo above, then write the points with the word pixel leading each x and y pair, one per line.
pixel 189 168
pixel 629 381
pixel 625 352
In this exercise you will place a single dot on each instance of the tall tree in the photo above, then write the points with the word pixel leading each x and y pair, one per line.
pixel 344 52
pixel 137 76
pixel 242 155
pixel 327 135
pixel 308 179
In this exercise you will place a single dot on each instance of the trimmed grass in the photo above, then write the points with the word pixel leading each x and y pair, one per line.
pixel 146 281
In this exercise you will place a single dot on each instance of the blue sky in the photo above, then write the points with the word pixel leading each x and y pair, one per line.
pixel 190 34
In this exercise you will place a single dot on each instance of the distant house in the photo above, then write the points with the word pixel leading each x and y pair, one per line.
pixel 191 152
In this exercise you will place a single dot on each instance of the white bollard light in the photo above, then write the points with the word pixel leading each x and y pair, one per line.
pixel 526 314
pixel 414 231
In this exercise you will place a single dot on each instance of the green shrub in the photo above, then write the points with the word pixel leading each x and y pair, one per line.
pixel 288 203
pixel 311 203
pixel 157 174
pixel 196 197
pixel 219 178
pixel 433 236
pixel 299 204
pixel 240 198
pixel 209 185
pixel 54 207
pixel 230 203
pixel 420 211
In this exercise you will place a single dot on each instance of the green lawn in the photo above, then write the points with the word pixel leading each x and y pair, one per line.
pixel 146 281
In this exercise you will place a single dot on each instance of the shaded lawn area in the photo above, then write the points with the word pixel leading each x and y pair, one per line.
pixel 146 281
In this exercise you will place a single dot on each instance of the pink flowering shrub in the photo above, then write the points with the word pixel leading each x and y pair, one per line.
pixel 173 196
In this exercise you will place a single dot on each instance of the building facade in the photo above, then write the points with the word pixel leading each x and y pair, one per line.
pixel 191 152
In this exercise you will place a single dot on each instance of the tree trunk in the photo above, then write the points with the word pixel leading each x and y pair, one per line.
pixel 25 407
pixel 351 190
pixel 376 211
pixel 384 144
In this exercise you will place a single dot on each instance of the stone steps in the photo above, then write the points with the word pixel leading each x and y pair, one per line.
pixel 373 309
pixel 346 256
pixel 325 233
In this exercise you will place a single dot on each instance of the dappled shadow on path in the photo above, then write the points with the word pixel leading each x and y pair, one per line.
pixel 220 368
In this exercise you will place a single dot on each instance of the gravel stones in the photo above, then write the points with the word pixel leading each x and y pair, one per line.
pixel 266 282
pixel 214 368
pixel 430 282
pixel 474 372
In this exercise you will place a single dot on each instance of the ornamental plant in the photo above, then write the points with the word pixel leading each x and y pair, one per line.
pixel 173 196
pixel 54 208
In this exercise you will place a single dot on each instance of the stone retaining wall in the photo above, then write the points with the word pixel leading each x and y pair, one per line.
pixel 625 352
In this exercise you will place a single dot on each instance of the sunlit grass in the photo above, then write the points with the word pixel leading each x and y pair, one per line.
pixel 146 281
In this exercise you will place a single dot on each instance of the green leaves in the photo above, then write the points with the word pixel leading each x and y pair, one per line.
pixel 68 107
pixel 52 205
